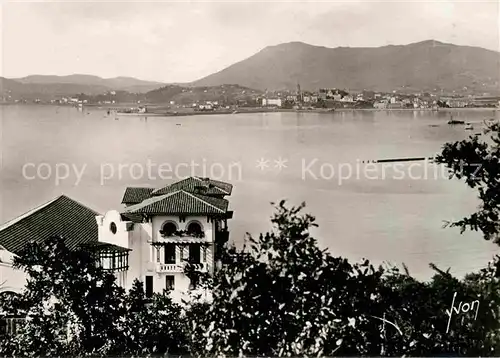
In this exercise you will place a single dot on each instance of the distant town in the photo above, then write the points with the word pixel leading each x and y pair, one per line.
pixel 178 99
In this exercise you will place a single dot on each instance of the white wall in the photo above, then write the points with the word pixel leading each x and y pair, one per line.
pixel 139 258
pixel 181 285
pixel 11 279
pixel 144 255
pixel 143 258
pixel 121 237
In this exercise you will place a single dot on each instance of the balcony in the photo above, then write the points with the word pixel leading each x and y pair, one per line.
pixel 180 237
pixel 197 234
pixel 162 268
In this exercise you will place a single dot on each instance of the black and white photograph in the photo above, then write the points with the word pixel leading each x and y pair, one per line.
pixel 250 178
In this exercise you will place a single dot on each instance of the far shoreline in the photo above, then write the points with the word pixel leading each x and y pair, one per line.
pixel 249 110
pixel 316 111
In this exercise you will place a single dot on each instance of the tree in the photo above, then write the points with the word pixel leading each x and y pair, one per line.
pixel 478 163
pixel 154 326
pixel 419 308
pixel 283 296
pixel 71 305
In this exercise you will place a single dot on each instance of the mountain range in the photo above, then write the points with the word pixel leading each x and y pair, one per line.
pixel 424 66
pixel 128 84
pixel 48 86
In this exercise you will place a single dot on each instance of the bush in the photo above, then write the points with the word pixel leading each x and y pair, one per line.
pixel 286 297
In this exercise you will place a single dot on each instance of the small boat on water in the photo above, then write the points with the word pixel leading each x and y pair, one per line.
pixel 469 127
pixel 454 121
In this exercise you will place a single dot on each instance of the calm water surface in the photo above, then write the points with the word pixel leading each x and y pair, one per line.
pixel 381 215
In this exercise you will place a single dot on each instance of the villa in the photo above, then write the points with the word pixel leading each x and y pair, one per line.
pixel 157 233
pixel 161 230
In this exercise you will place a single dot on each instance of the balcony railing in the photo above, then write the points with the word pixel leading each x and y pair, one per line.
pixel 161 268
pixel 183 233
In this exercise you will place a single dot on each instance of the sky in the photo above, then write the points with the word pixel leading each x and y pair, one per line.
pixel 184 41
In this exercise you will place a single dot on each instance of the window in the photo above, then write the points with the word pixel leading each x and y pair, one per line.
pixel 112 228
pixel 149 286
pixel 112 260
pixel 169 228
pixel 158 255
pixel 194 253
pixel 170 254
pixel 169 282
pixel 106 263
pixel 195 229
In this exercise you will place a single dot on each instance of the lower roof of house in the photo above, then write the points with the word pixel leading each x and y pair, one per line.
pixel 60 216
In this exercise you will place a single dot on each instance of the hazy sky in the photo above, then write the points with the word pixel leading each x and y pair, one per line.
pixel 184 41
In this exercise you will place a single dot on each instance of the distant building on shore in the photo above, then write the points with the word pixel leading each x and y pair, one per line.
pixel 487 101
pixel 269 102
pixel 380 105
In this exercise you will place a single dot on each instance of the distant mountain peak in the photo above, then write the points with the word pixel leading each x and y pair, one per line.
pixel 431 42
pixel 81 83
pixel 293 44
pixel 412 67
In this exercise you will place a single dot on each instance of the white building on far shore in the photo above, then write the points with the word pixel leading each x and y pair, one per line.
pixel 269 102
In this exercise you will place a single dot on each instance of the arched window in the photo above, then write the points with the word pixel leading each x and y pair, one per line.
pixel 195 229
pixel 112 228
pixel 169 228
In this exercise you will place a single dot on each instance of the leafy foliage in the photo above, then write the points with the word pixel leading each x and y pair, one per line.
pixel 70 304
pixel 478 163
pixel 74 307
pixel 283 296
pixel 153 325
pixel 420 308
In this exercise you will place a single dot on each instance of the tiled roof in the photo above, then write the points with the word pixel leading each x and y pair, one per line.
pixel 136 218
pixel 61 216
pixel 136 195
pixel 103 246
pixel 180 202
pixel 210 186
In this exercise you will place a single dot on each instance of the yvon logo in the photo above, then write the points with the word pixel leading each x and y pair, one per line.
pixel 463 307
